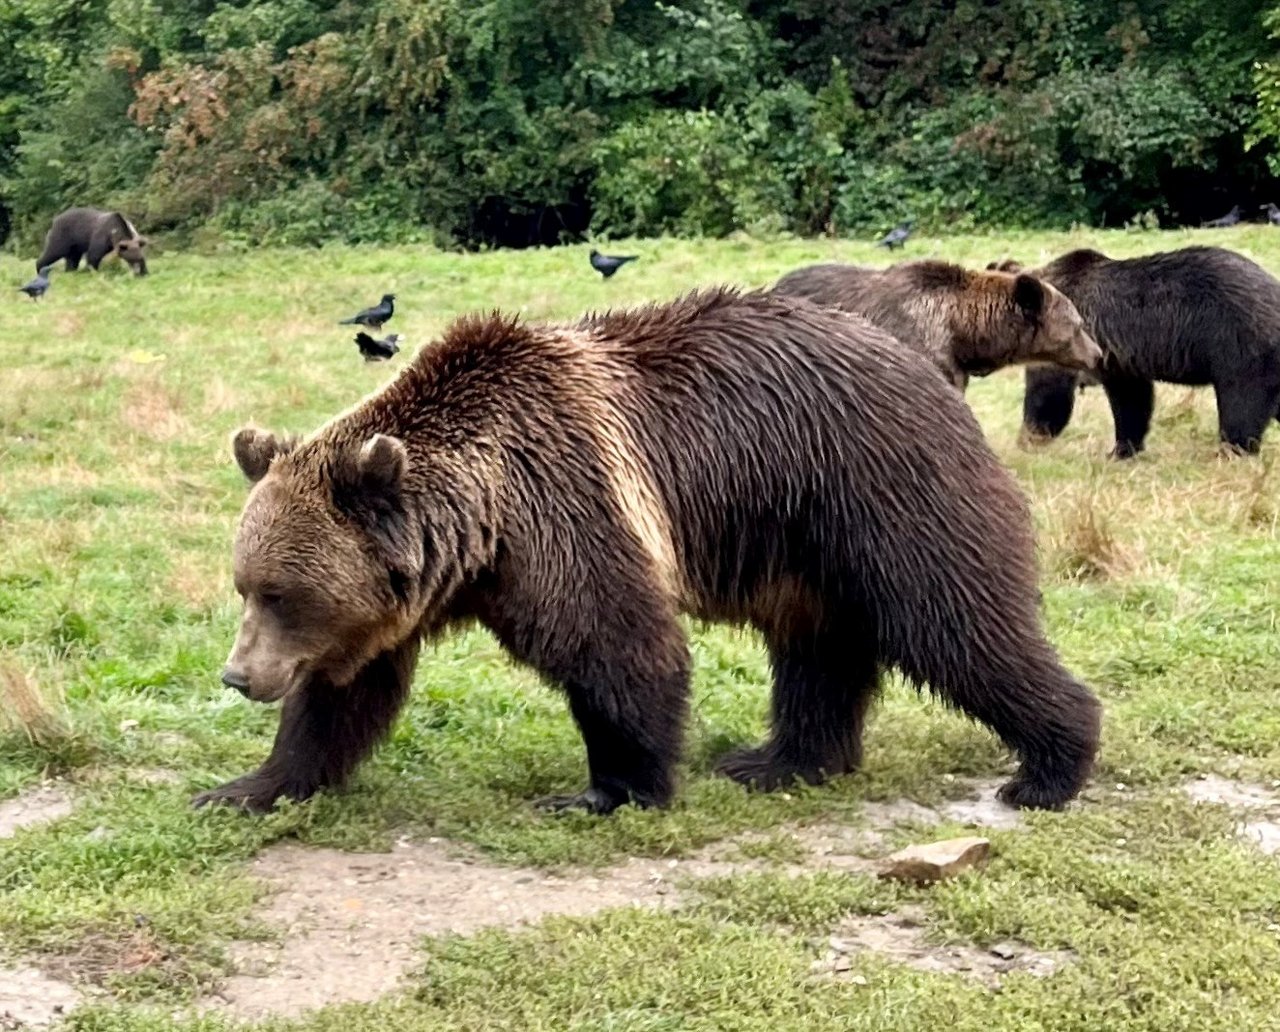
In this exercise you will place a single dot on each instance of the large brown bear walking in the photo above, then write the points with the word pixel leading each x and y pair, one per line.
pixel 743 458
pixel 93 234
pixel 968 322
pixel 1199 316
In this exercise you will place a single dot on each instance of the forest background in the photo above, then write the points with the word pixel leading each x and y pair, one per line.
pixel 480 123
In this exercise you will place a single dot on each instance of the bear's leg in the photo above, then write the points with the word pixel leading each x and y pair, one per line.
pixel 1132 400
pixel 1011 681
pixel 49 255
pixel 1244 410
pixel 324 733
pixel 97 251
pixel 73 258
pixel 1049 400
pixel 824 683
pixel 628 689
pixel 631 756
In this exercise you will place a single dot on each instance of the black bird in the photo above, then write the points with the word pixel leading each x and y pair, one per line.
pixel 897 236
pixel 377 350
pixel 607 264
pixel 1273 214
pixel 1229 219
pixel 36 288
pixel 373 317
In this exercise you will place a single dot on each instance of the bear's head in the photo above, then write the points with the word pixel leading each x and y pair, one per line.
pixel 325 559
pixel 130 249
pixel 1014 317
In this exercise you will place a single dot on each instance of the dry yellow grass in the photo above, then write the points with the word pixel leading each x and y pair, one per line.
pixel 28 708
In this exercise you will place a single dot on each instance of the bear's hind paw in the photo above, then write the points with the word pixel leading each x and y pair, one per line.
pixel 761 770
pixel 589 800
pixel 1024 794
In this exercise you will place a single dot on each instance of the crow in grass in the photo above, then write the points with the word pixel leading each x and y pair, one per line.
pixel 36 288
pixel 1229 219
pixel 1273 214
pixel 607 264
pixel 377 350
pixel 897 236
pixel 373 317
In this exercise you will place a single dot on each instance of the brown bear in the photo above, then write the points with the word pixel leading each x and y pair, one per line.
pixel 93 234
pixel 969 323
pixel 1199 316
pixel 575 488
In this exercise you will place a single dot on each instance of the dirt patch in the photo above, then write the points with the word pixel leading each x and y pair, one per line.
pixel 981 809
pixel 1262 803
pixel 364 914
pixel 978 808
pixel 1211 788
pixel 29 999
pixel 1264 834
pixel 901 937
pixel 48 802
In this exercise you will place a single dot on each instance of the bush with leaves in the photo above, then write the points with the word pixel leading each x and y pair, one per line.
pixel 531 121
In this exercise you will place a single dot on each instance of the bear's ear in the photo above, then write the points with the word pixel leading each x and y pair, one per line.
pixel 1029 295
pixel 254 450
pixel 381 465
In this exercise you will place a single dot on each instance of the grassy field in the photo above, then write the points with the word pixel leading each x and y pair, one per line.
pixel 117 503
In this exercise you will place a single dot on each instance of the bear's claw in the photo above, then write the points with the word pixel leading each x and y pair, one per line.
pixel 589 800
pixel 761 770
pixel 249 793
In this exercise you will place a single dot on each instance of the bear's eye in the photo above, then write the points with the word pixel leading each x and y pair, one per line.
pixel 271 600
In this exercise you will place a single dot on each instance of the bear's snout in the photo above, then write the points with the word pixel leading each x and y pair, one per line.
pixel 235 679
pixel 1088 352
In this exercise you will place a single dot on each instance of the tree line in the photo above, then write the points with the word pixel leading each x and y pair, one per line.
pixel 517 122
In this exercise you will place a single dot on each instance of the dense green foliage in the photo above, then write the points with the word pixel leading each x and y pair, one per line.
pixel 526 121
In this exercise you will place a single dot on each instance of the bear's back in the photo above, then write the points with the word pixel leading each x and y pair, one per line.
pixel 1185 311
pixel 804 437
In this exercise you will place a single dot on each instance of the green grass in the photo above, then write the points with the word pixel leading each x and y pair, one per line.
pixel 117 502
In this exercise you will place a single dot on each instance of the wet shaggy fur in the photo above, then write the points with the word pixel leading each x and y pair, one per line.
pixel 1199 316
pixel 92 234
pixel 969 323
pixel 743 458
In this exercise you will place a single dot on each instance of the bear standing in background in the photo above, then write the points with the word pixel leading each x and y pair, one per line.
pixel 574 488
pixel 969 323
pixel 92 234
pixel 1197 316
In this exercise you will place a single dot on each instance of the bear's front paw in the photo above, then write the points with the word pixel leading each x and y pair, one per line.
pixel 252 792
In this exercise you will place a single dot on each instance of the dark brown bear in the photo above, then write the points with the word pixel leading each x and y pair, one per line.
pixel 969 323
pixel 743 458
pixel 92 234
pixel 1196 316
